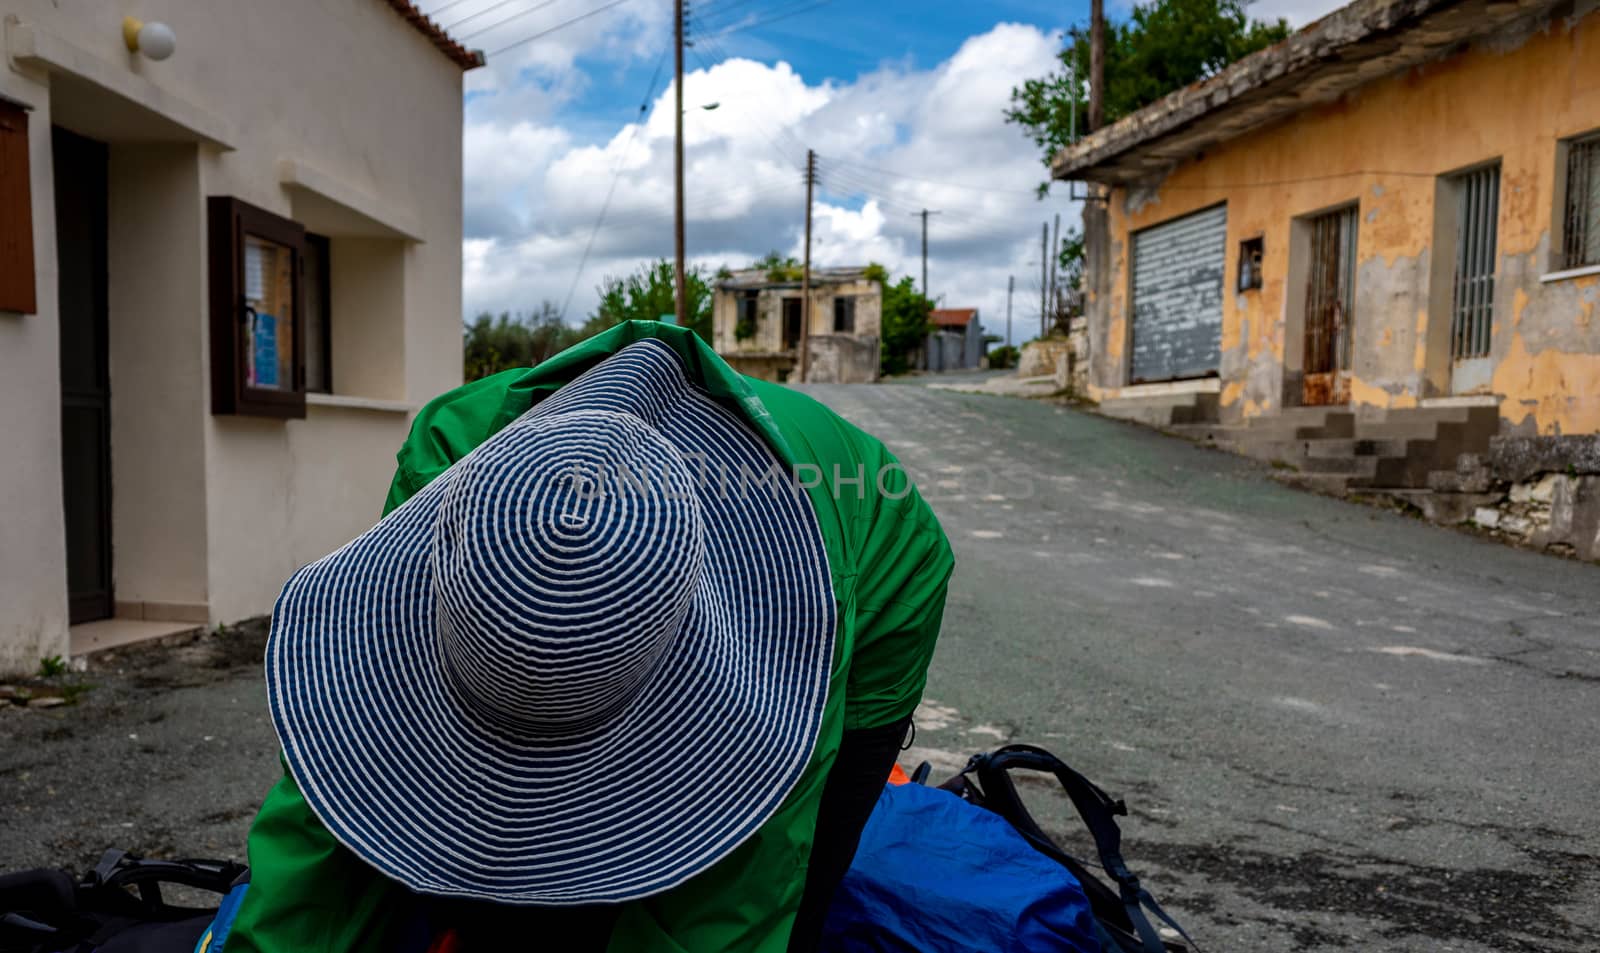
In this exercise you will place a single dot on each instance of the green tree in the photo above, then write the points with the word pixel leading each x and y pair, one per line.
pixel 647 294
pixel 905 323
pixel 492 344
pixel 1163 46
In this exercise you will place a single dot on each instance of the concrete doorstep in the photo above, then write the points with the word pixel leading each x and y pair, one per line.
pixel 91 637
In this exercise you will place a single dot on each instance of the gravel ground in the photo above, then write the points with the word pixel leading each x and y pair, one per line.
pixel 166 751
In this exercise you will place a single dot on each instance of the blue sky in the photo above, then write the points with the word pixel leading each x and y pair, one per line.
pixel 567 181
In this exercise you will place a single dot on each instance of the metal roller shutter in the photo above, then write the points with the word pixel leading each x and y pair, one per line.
pixel 1177 297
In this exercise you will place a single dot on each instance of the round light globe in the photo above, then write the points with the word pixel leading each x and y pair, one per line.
pixel 157 41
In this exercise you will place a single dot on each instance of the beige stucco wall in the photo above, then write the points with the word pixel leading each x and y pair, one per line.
pixel 33 595
pixel 160 393
pixel 1383 148
pixel 215 511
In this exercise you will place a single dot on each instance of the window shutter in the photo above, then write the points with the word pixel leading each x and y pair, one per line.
pixel 16 213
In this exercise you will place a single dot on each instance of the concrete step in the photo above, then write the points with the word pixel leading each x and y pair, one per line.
pixel 1354 447
pixel 1409 471
pixel 1164 410
pixel 1353 466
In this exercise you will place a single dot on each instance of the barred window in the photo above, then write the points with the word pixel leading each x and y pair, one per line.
pixel 1581 231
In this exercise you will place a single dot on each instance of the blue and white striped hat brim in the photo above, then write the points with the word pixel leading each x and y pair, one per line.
pixel 531 686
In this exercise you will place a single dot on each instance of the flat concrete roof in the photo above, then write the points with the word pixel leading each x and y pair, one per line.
pixel 1346 49
pixel 752 279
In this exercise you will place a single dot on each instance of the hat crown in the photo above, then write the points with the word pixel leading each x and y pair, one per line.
pixel 565 560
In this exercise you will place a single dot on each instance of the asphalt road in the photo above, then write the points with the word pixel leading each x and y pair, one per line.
pixel 1336 728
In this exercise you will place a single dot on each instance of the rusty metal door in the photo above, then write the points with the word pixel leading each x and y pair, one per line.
pixel 1330 308
pixel 1177 297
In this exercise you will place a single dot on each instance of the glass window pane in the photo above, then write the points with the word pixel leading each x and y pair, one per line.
pixel 269 329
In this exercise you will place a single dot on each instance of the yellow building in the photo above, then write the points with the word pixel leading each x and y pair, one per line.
pixel 230 271
pixel 1398 207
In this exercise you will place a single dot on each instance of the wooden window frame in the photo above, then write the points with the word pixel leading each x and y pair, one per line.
pixel 1251 252
pixel 18 278
pixel 229 222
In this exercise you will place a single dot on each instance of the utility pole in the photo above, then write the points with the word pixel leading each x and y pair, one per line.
pixel 680 295
pixel 1097 64
pixel 1055 256
pixel 805 275
pixel 1044 272
pixel 925 213
pixel 1011 286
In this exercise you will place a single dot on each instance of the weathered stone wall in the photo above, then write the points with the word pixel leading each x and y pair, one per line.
pixel 842 359
pixel 1040 358
pixel 1542 492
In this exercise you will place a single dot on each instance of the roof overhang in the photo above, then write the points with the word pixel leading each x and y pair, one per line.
pixel 1344 50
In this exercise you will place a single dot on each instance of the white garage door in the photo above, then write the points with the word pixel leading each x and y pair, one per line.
pixel 1177 297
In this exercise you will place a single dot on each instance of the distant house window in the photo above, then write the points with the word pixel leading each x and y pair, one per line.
pixel 744 327
pixel 257 262
pixel 16 213
pixel 1581 223
pixel 1250 251
pixel 319 336
pixel 844 315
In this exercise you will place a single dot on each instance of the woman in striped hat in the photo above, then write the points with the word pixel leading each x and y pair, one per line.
pixel 625 663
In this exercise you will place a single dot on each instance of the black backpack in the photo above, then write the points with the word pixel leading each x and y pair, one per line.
pixel 1119 913
pixel 115 908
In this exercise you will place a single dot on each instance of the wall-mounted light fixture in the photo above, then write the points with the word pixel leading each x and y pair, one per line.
pixel 154 40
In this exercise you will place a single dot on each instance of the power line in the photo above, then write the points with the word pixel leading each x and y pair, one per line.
pixel 445 6
pixel 559 26
pixel 720 53
pixel 490 9
pixel 914 178
pixel 616 176
pixel 772 19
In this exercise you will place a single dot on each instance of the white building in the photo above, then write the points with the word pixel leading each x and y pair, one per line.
pixel 228 276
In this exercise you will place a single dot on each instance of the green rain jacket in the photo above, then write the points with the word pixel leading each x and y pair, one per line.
pixel 890 563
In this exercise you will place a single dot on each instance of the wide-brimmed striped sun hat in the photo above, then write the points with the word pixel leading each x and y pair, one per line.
pixel 581 665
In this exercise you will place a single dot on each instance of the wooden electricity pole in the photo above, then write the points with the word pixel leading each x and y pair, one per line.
pixel 805 274
pixel 1055 256
pixel 1044 273
pixel 680 296
pixel 925 213
pixel 1011 286
pixel 1097 64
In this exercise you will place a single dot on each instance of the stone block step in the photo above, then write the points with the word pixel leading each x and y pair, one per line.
pixel 1354 447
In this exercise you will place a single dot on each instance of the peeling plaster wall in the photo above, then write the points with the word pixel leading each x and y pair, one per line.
pixel 1383 148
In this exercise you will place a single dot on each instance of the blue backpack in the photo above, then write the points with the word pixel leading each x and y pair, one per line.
pixel 964 867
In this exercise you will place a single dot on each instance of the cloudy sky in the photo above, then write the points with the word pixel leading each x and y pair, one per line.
pixel 568 141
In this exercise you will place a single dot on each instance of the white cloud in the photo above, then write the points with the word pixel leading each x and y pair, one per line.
pixel 891 143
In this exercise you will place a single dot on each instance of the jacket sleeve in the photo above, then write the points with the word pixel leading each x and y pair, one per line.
pixel 904 564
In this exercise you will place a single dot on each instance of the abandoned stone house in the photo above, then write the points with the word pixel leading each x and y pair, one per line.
pixel 756 325
pixel 1371 251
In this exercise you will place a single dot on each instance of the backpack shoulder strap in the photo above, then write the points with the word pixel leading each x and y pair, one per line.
pixel 1098 810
